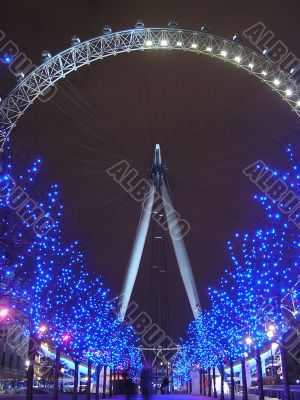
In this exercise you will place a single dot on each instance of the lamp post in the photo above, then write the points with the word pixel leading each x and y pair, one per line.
pixel 270 333
pixel 272 362
pixel 62 370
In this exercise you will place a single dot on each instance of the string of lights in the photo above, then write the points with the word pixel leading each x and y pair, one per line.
pixel 257 301
pixel 46 281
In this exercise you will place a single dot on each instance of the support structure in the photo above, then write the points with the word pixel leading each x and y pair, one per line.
pixel 159 193
pixel 136 254
pixel 181 254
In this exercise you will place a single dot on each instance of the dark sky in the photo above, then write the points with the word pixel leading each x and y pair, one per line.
pixel 211 120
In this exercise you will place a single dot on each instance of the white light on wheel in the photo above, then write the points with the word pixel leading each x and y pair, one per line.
pixel 224 53
pixel 251 66
pixel 194 45
pixel 237 59
pixel 298 103
pixel 264 73
pixel 209 49
pixel 288 92
pixel 179 44
pixel 276 82
pixel 149 43
pixel 164 43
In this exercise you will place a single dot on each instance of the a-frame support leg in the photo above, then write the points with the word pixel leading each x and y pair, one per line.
pixel 136 253
pixel 181 253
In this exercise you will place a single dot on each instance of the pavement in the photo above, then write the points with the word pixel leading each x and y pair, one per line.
pixel 295 389
pixel 119 397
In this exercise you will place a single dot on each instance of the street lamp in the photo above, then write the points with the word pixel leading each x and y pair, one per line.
pixel 3 312
pixel 270 334
pixel 43 328
pixel 271 331
pixel 62 370
pixel 272 328
pixel 248 340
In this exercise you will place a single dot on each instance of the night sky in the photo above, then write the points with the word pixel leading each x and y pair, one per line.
pixel 211 119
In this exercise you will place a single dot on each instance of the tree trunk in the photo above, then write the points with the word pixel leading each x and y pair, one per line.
pixel 172 380
pixel 259 375
pixel 56 374
pixel 244 379
pixel 98 371
pixel 200 377
pixel 232 394
pixel 222 382
pixel 110 382
pixel 89 381
pixel 32 351
pixel 209 383
pixel 76 372
pixel 104 383
pixel 285 377
pixel 115 377
pixel 214 382
pixel 204 383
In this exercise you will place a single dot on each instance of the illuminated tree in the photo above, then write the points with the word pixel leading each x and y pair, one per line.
pixel 247 310
pixel 262 276
pixel 284 215
pixel 258 298
pixel 130 357
pixel 14 237
pixel 227 334
pixel 182 365
pixel 63 303
pixel 84 320
pixel 211 342
pixel 116 346
pixel 29 250
pixel 283 212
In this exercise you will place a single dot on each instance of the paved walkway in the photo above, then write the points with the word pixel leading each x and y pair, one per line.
pixel 137 397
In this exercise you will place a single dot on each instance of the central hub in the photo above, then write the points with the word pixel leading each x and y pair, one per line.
pixel 158 170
